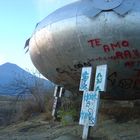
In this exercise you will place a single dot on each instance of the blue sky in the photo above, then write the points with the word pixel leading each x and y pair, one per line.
pixel 18 20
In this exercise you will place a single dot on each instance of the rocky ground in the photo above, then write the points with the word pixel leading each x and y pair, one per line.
pixel 42 130
pixel 117 121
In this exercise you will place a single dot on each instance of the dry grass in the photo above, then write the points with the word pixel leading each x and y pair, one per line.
pixel 7 112
pixel 121 111
pixel 116 125
pixel 12 111
pixel 30 107
pixel 48 107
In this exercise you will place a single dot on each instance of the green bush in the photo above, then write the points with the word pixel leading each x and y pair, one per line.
pixel 67 117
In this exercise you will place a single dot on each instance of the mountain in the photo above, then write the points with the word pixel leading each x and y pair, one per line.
pixel 15 80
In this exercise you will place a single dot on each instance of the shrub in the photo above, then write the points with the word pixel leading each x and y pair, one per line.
pixel 67 117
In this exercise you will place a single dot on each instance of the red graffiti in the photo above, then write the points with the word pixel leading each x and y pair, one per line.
pixel 127 54
pixel 113 46
pixel 108 47
pixel 94 42
pixel 131 64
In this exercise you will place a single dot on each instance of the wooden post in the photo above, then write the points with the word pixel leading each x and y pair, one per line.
pixel 54 106
pixel 85 132
pixel 57 100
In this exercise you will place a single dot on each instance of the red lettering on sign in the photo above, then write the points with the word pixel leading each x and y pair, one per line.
pixel 94 42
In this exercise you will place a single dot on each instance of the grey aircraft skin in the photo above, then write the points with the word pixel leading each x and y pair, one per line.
pixel 91 33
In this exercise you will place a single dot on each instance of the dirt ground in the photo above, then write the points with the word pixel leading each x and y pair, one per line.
pixel 114 123
pixel 37 129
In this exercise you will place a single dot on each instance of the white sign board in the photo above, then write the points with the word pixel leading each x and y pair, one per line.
pixel 89 109
pixel 100 78
pixel 85 79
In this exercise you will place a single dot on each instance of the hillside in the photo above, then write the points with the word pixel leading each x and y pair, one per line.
pixel 14 79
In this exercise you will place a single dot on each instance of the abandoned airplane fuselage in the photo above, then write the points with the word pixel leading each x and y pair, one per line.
pixel 91 33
